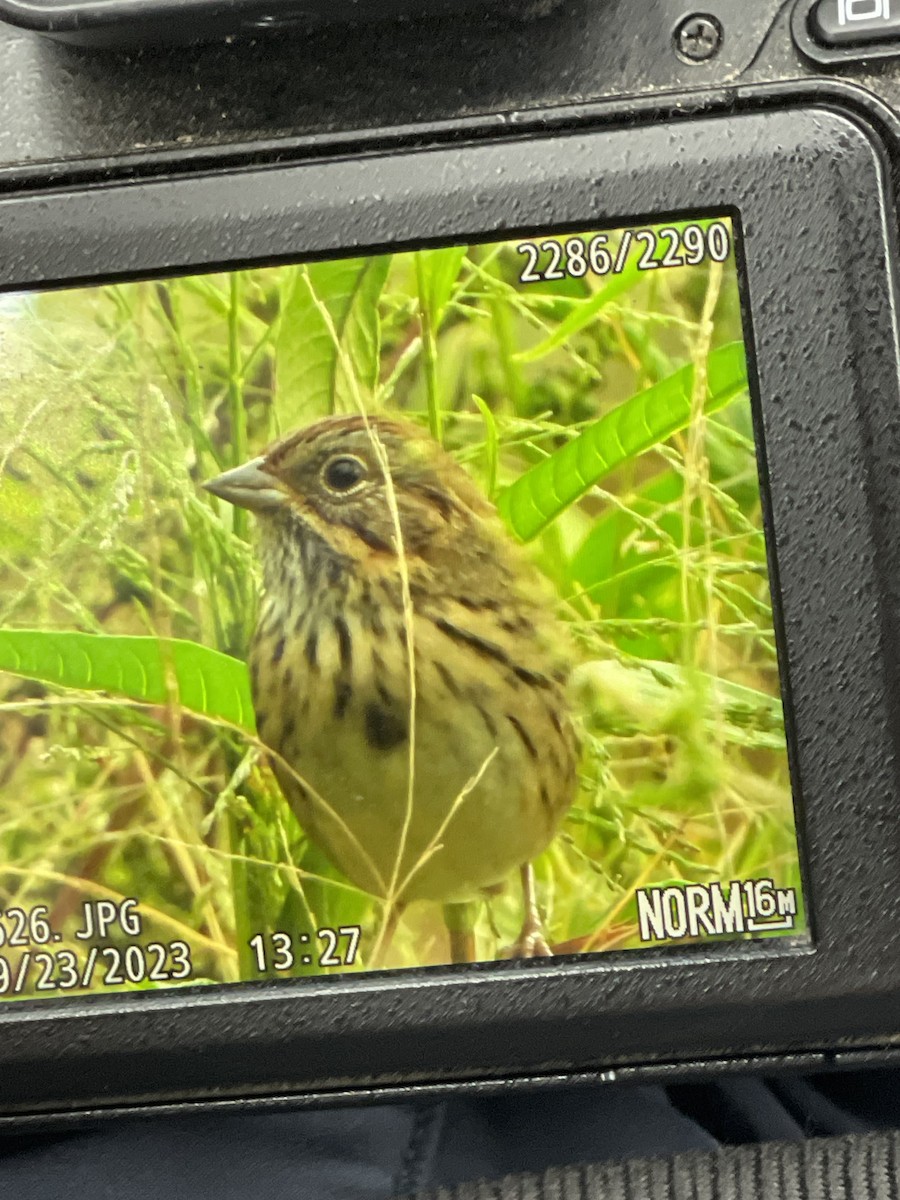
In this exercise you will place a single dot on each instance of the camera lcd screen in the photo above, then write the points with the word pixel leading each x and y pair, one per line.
pixel 387 612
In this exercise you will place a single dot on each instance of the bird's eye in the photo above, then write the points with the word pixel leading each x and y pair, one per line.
pixel 344 473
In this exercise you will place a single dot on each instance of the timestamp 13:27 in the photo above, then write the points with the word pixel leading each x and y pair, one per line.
pixel 280 951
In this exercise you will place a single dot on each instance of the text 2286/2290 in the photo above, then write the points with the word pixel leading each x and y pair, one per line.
pixel 667 246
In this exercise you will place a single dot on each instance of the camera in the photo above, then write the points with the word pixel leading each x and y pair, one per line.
pixel 450 585
pixel 107 23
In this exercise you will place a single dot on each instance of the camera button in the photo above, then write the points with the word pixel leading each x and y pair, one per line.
pixel 854 22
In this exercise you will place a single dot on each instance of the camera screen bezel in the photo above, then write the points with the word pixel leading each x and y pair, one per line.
pixel 808 187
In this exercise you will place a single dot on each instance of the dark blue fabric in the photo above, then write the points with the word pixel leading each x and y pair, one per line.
pixel 377 1152
pixel 340 1155
pixel 496 1136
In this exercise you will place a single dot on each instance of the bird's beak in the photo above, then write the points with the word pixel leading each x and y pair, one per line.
pixel 248 486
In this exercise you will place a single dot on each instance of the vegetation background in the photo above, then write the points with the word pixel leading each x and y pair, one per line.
pixel 117 401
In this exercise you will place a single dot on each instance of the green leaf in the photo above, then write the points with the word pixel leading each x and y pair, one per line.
pixel 630 429
pixel 146 669
pixel 311 377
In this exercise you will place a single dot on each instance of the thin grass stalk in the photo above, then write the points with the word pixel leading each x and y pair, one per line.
pixel 240 883
pixel 236 410
pixel 392 892
pixel 429 352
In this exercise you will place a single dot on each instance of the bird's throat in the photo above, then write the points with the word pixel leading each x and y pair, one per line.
pixel 301 570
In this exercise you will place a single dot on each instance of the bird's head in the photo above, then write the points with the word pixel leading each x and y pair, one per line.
pixel 348 480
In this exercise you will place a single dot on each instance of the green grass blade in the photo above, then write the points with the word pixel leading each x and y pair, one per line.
pixel 630 429
pixel 146 669
pixel 436 273
pixel 439 271
pixel 491 445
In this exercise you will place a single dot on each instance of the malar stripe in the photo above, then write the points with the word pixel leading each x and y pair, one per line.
pixel 370 537
pixel 441 500
pixel 340 563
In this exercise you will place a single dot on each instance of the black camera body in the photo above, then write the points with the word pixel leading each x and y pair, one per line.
pixel 186 22
pixel 599 131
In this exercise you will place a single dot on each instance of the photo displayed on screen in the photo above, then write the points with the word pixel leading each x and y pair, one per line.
pixel 386 612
